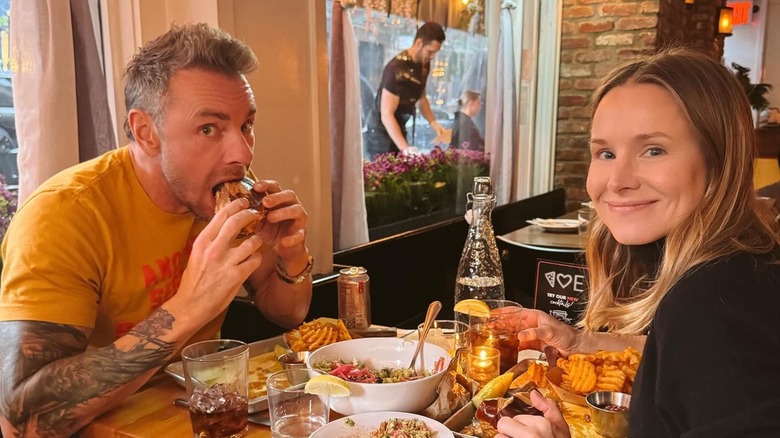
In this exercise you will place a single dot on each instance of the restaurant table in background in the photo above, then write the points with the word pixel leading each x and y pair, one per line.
pixel 151 413
pixel 536 238
pixel 523 249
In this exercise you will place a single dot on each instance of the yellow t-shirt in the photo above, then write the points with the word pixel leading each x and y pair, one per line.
pixel 89 248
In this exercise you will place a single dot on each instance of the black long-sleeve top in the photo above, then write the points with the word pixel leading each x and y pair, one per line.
pixel 711 363
pixel 465 133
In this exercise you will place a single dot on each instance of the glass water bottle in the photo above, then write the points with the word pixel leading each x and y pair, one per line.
pixel 479 271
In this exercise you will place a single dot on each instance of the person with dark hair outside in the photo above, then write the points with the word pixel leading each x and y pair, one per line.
pixel 402 90
pixel 465 133
pixel 115 264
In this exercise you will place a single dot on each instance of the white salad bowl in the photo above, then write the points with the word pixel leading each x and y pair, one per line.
pixel 376 353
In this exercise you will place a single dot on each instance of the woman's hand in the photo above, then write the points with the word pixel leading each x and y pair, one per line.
pixel 552 425
pixel 539 330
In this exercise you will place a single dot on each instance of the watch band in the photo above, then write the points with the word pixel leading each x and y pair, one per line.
pixel 287 278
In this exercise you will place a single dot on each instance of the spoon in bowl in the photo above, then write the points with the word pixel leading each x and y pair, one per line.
pixel 430 316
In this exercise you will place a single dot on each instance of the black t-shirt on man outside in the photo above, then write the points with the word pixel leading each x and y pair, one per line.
pixel 406 79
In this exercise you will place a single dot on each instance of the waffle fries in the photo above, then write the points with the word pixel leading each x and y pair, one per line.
pixel 314 334
pixel 602 371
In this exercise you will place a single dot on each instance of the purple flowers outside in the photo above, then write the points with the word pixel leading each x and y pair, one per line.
pixel 400 187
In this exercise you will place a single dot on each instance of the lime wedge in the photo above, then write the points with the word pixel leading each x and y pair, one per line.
pixel 327 385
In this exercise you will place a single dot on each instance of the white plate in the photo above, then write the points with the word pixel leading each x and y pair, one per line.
pixel 368 422
pixel 559 225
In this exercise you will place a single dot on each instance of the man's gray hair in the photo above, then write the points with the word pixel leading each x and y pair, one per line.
pixel 184 46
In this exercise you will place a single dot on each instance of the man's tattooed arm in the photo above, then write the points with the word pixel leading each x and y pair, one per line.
pixel 51 385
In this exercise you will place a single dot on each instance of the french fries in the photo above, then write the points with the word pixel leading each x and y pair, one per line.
pixel 602 371
pixel 314 334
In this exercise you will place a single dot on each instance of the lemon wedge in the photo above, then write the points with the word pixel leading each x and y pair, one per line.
pixel 473 307
pixel 327 385
pixel 494 388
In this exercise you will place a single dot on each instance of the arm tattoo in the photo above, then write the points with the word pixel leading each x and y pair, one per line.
pixel 48 376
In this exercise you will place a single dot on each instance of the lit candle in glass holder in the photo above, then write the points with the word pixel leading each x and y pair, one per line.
pixel 483 364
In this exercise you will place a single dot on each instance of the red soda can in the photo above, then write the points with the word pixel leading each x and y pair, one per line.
pixel 354 298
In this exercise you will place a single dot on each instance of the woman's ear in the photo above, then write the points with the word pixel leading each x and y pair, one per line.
pixel 144 131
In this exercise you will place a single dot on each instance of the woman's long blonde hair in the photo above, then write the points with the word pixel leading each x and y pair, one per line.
pixel 623 296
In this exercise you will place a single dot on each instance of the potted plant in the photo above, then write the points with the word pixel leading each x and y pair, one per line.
pixel 755 92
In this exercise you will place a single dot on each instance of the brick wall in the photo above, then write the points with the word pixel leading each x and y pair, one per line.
pixel 694 26
pixel 598 35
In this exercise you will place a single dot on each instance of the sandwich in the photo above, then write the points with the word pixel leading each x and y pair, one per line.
pixel 229 191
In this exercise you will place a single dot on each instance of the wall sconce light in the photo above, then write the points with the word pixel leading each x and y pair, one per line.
pixel 689 3
pixel 725 21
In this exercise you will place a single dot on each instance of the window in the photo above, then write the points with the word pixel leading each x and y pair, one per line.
pixel 9 172
pixel 401 192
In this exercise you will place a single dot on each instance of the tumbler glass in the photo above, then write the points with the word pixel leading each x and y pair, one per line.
pixel 450 335
pixel 215 373
pixel 295 414
pixel 498 330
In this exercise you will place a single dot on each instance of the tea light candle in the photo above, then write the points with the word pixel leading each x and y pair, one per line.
pixel 483 364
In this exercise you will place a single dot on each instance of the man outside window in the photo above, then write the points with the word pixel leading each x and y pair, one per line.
pixel 113 265
pixel 401 90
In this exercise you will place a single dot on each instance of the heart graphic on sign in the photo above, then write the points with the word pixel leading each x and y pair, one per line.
pixel 550 276
pixel 564 280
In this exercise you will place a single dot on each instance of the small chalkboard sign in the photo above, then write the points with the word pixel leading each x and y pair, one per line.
pixel 561 289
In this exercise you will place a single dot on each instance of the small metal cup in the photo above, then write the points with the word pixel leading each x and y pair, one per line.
pixel 610 424
pixel 295 360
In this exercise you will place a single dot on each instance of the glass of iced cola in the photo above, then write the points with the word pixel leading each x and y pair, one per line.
pixel 217 387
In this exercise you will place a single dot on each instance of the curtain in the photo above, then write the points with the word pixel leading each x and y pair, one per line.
pixel 501 134
pixel 350 223
pixel 62 115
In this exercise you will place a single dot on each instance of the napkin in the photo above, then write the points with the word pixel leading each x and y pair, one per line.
pixel 451 397
pixel 453 393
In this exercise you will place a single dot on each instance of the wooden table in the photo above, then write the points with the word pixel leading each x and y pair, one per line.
pixel 151 413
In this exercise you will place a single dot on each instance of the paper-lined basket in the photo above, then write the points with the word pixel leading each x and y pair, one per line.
pixel 555 377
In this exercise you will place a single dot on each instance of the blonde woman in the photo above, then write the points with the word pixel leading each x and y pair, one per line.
pixel 465 133
pixel 683 261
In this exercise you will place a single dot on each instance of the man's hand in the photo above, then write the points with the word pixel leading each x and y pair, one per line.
pixel 284 226
pixel 411 151
pixel 438 129
pixel 284 231
pixel 217 266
